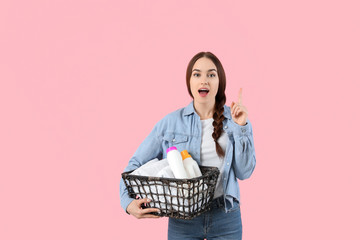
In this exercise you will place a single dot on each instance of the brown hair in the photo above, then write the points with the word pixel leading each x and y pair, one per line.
pixel 220 97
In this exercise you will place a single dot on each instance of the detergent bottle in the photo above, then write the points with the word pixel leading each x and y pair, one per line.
pixel 191 166
pixel 176 163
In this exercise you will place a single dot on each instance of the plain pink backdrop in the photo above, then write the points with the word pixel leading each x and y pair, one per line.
pixel 82 83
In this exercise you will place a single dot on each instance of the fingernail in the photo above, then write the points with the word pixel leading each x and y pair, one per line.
pixel 149 200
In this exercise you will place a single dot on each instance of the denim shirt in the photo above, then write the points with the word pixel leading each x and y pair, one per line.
pixel 182 128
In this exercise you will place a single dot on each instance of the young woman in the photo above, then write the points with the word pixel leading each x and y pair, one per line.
pixel 214 135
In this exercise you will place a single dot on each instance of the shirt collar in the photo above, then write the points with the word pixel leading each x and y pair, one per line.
pixel 189 109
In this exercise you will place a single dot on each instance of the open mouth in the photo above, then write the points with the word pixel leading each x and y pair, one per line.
pixel 203 92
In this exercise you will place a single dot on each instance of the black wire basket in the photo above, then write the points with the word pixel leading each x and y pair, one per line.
pixel 176 198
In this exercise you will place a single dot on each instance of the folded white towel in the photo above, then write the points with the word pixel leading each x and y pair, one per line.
pixel 166 172
pixel 151 168
pixel 161 196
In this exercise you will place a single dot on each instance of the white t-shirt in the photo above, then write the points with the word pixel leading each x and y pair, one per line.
pixel 208 155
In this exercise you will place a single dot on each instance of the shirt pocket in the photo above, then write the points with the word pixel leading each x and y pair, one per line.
pixel 180 141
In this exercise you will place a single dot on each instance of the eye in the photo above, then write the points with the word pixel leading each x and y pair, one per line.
pixel 212 75
pixel 196 74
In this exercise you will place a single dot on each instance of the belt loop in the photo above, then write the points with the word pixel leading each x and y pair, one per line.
pixel 219 202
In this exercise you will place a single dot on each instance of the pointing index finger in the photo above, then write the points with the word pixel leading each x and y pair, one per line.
pixel 240 96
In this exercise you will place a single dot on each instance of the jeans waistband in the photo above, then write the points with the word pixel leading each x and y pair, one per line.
pixel 217 202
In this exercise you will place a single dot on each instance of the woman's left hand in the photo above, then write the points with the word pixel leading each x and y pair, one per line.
pixel 239 112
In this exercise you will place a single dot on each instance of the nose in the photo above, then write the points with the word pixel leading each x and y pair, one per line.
pixel 204 81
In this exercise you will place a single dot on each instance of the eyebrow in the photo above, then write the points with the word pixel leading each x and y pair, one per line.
pixel 208 70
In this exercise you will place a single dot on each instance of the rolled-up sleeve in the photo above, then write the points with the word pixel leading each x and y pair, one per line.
pixel 244 151
pixel 149 149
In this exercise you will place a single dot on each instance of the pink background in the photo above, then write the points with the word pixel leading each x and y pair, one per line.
pixel 82 83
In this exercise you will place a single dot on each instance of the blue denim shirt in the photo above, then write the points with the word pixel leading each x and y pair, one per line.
pixel 182 128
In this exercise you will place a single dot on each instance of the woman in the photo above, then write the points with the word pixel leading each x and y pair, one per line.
pixel 214 135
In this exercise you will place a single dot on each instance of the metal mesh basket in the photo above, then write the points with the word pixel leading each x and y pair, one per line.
pixel 176 198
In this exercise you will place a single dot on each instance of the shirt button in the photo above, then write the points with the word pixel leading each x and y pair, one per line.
pixel 174 140
pixel 228 164
pixel 225 127
pixel 225 178
pixel 243 130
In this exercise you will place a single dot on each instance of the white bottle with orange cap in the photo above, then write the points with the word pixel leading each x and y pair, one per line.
pixel 191 166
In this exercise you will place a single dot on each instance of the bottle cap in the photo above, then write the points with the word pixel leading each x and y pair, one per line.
pixel 171 148
pixel 185 154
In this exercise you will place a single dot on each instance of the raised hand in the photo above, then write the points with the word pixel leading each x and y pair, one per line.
pixel 239 112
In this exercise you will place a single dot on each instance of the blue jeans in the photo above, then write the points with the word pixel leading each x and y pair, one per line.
pixel 213 224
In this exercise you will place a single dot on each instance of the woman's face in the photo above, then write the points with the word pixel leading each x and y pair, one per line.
pixel 204 81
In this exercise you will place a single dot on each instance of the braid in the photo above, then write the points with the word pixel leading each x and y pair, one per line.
pixel 218 125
